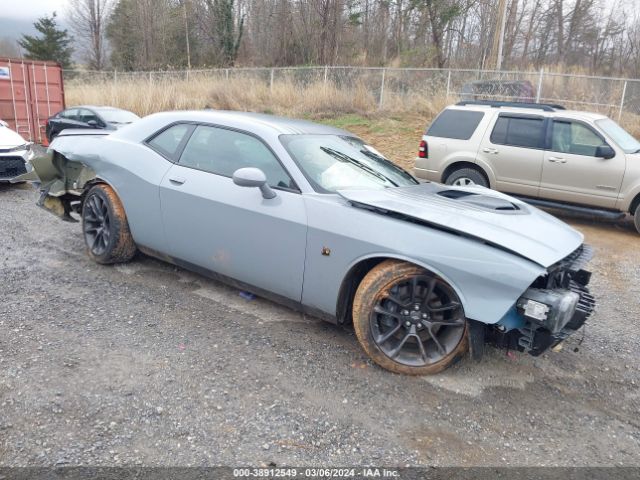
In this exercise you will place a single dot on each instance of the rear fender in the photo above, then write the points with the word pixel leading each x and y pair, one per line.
pixel 61 182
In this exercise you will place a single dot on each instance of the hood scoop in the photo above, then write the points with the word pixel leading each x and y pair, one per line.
pixel 487 202
pixel 476 212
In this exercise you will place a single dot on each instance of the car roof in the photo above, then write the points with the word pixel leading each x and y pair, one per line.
pixel 577 114
pixel 96 107
pixel 247 121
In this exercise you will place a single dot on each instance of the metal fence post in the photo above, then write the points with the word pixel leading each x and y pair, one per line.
pixel 326 72
pixel 271 81
pixel 381 102
pixel 448 83
pixel 624 93
pixel 539 94
pixel 226 73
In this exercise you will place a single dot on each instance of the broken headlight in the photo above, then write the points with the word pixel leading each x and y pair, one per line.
pixel 551 309
pixel 19 148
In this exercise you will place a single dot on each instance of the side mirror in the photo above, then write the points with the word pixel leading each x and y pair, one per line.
pixel 253 177
pixel 605 151
pixel 92 123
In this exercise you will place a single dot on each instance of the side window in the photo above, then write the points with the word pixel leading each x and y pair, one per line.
pixel 455 124
pixel 525 132
pixel 71 114
pixel 574 138
pixel 222 151
pixel 169 141
pixel 87 115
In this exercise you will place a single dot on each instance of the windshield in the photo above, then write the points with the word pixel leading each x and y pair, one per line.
pixel 334 162
pixel 113 115
pixel 619 135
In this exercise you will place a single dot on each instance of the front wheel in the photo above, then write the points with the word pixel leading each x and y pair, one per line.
pixel 409 320
pixel 465 177
pixel 105 227
pixel 636 218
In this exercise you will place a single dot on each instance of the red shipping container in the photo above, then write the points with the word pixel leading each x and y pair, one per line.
pixel 30 92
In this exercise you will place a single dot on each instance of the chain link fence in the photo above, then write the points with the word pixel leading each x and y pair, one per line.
pixel 618 98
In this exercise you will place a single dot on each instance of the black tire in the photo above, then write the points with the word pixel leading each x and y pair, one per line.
pixel 105 227
pixel 399 337
pixel 636 218
pixel 466 176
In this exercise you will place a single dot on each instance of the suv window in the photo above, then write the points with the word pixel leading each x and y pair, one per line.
pixel 222 151
pixel 168 141
pixel 515 131
pixel 456 124
pixel 575 138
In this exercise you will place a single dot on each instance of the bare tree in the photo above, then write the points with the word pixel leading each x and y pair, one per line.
pixel 88 20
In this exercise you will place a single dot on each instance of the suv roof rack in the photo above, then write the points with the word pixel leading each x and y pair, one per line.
pixel 547 107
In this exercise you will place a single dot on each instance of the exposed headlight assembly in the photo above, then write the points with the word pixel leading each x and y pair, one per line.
pixel 19 148
pixel 551 309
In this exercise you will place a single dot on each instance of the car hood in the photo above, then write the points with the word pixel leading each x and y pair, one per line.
pixel 480 213
pixel 9 138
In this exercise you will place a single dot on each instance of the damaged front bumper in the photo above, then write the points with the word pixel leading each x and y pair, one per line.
pixel 553 308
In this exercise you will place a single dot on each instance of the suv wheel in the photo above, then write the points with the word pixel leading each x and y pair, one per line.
pixel 464 177
pixel 636 218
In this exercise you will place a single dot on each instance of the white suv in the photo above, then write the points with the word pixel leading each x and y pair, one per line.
pixel 550 156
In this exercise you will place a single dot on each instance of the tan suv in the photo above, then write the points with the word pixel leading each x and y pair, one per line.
pixel 550 156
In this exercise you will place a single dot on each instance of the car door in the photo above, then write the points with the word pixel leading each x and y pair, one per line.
pixel 572 172
pixel 513 149
pixel 233 231
pixel 65 119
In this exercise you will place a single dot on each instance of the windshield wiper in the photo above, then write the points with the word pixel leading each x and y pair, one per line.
pixel 388 162
pixel 346 158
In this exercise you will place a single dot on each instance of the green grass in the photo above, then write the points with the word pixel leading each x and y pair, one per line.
pixel 374 125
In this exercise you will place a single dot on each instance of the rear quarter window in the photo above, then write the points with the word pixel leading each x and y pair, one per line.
pixel 456 124
pixel 527 132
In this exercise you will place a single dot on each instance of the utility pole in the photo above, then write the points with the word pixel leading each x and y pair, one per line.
pixel 186 33
pixel 498 38
pixel 503 25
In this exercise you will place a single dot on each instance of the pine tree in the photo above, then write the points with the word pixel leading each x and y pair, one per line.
pixel 53 44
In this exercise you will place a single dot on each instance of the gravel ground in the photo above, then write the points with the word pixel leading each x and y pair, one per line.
pixel 148 364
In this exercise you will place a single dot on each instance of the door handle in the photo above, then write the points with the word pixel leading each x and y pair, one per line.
pixel 490 150
pixel 177 180
pixel 557 160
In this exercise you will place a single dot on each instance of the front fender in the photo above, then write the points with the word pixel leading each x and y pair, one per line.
pixel 488 280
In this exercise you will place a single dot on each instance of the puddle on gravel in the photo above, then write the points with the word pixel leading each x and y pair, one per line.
pixel 495 370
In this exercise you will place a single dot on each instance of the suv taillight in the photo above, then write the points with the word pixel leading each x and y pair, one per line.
pixel 423 150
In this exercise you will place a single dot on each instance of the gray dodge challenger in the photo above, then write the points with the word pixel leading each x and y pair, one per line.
pixel 313 217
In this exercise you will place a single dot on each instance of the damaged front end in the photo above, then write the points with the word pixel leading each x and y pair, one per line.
pixel 61 183
pixel 554 307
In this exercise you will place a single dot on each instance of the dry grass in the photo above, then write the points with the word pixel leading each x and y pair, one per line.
pixel 314 100
pixel 395 129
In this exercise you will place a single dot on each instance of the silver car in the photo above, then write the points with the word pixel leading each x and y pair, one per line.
pixel 313 217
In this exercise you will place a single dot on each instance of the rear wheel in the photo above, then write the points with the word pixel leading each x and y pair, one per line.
pixel 464 177
pixel 105 227
pixel 409 320
pixel 636 218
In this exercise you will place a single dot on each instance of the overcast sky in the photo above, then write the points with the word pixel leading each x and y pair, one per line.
pixel 31 9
